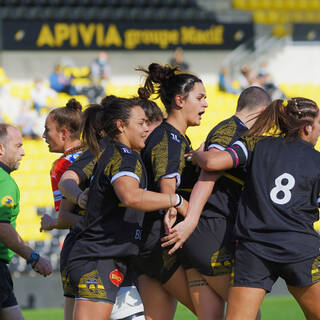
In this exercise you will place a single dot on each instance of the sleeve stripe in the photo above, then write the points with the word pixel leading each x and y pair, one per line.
pixel 173 175
pixel 4 221
pixel 217 146
pixel 236 158
pixel 125 173
pixel 243 147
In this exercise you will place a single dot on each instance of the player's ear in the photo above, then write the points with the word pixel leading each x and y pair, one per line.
pixel 178 99
pixel 120 125
pixel 2 149
pixel 307 129
pixel 64 133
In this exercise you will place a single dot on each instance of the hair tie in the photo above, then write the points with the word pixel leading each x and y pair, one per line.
pixel 284 103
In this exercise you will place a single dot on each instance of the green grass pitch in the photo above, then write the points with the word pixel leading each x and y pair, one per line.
pixel 273 308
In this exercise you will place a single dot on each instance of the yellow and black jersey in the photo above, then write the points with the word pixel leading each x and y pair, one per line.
pixel 84 166
pixel 226 192
pixel 279 203
pixel 85 163
pixel 164 157
pixel 110 229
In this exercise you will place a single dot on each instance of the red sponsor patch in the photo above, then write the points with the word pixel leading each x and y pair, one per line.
pixel 116 277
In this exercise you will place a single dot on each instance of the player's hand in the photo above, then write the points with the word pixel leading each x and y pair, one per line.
pixel 178 235
pixel 169 219
pixel 83 198
pixel 47 223
pixel 43 266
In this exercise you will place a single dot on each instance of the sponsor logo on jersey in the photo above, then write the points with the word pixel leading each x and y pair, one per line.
pixel 125 150
pixel 7 201
pixel 174 137
pixel 116 277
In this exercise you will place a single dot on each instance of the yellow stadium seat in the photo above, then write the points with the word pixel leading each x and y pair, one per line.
pixel 260 17
pixel 253 4
pixel 279 30
pixel 240 4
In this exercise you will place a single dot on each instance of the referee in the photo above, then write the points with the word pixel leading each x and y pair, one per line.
pixel 11 152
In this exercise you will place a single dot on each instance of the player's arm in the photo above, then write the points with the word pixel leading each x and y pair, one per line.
pixel 213 160
pixel 69 187
pixel 65 219
pixel 12 240
pixel 168 185
pixel 128 191
pixel 198 198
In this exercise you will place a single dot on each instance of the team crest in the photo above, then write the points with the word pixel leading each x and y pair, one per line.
pixel 92 285
pixel 7 201
pixel 116 277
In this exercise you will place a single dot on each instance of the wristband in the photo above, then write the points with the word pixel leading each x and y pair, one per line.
pixel 179 201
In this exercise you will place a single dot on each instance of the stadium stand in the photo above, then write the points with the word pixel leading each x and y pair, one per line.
pixel 112 10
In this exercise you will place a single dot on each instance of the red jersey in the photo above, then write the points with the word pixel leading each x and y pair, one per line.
pixel 58 169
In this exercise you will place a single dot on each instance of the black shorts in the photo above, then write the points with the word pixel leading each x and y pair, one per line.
pixel 68 243
pixel 253 271
pixel 208 249
pixel 7 297
pixel 97 280
pixel 158 264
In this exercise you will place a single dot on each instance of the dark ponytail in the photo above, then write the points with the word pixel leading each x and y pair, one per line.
pixel 285 117
pixel 166 82
pixel 92 127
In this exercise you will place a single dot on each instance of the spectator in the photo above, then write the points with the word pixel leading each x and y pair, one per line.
pixel 100 69
pixel 60 83
pixel 100 72
pixel 225 83
pixel 245 77
pixel 40 93
pixel 27 122
pixel 178 60
pixel 265 80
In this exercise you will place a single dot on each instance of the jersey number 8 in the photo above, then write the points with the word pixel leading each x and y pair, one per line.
pixel 282 190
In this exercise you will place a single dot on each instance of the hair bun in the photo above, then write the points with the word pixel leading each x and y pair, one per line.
pixel 74 104
pixel 161 74
pixel 108 100
pixel 143 93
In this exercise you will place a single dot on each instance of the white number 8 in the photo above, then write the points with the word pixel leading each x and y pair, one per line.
pixel 285 188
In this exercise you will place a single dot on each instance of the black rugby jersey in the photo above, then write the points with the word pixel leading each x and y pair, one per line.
pixel 85 163
pixel 163 157
pixel 280 201
pixel 109 229
pixel 226 192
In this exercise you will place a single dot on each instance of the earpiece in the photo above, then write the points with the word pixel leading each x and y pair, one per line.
pixel 309 128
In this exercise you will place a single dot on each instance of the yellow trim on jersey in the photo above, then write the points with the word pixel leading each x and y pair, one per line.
pixel 185 189
pixel 233 178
